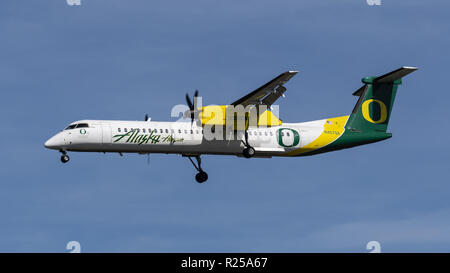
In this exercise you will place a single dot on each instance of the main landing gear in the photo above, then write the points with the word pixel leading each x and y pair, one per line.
pixel 64 157
pixel 201 176
pixel 248 151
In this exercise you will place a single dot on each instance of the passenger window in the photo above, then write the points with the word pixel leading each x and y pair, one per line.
pixel 282 134
pixel 185 131
pixel 172 131
pixel 287 133
pixel 192 132
pixel 196 131
pixel 143 130
pixel 271 134
pixel 265 133
pixel 260 133
pixel 125 129
pixel 118 130
pixel 179 131
pixel 161 131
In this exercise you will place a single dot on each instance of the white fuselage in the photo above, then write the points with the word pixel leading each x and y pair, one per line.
pixel 181 138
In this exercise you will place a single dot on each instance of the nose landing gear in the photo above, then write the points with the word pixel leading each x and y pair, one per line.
pixel 64 157
pixel 201 176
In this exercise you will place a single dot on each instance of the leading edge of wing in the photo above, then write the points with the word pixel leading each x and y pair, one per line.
pixel 259 93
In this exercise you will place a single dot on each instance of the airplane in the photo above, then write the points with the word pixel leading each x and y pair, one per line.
pixel 245 128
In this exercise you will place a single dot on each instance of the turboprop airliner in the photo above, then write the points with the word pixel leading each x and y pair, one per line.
pixel 246 128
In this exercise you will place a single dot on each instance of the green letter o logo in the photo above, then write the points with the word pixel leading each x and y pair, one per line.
pixel 296 137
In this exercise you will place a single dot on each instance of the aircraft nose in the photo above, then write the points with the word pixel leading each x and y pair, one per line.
pixel 52 143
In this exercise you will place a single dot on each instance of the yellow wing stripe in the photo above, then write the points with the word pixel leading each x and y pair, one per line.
pixel 332 130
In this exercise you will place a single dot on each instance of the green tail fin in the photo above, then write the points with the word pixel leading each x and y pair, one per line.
pixel 376 98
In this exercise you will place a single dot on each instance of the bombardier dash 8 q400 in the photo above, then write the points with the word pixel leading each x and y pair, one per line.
pixel 247 127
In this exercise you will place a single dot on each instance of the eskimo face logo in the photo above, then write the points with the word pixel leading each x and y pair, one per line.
pixel 294 133
pixel 366 112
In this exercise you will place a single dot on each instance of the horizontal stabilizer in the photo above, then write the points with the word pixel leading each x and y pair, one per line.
pixel 395 75
pixel 359 91
pixel 386 78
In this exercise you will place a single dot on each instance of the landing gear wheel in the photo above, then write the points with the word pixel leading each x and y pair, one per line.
pixel 201 177
pixel 249 152
pixel 65 158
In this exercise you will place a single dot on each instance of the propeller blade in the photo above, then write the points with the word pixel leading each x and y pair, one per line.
pixel 192 117
pixel 192 105
pixel 195 105
pixel 195 94
pixel 189 102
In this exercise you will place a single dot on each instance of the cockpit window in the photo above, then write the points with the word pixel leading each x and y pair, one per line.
pixel 78 125
pixel 82 125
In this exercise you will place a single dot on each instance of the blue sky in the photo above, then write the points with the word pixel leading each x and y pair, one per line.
pixel 115 59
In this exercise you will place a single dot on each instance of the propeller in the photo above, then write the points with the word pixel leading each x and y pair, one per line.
pixel 192 105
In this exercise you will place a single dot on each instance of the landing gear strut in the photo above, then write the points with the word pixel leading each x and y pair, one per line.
pixel 248 151
pixel 64 157
pixel 201 176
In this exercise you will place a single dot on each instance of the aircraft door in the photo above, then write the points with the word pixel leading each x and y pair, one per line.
pixel 87 134
pixel 106 133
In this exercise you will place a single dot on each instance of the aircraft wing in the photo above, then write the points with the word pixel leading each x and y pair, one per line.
pixel 268 93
